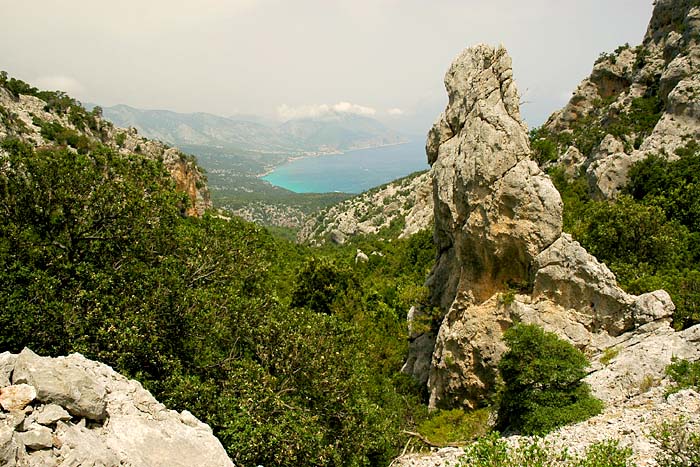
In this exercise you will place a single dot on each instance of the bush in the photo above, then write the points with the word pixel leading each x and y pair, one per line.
pixel 319 283
pixel 679 447
pixel 455 426
pixel 685 375
pixel 543 387
pixel 493 451
pixel 605 454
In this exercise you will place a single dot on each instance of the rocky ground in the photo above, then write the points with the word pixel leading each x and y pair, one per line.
pixel 74 412
pixel 632 422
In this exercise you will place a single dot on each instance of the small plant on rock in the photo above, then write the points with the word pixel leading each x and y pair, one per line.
pixel 679 446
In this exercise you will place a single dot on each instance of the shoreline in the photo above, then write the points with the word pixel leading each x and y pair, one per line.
pixel 324 154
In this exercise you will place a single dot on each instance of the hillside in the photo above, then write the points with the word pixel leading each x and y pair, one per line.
pixel 636 102
pixel 41 118
pixel 401 208
pixel 292 357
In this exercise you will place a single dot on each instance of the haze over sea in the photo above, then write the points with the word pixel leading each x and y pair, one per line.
pixel 351 172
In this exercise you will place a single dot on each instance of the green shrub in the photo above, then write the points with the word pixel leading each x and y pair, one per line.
pixel 319 283
pixel 489 451
pixel 685 374
pixel 544 149
pixel 604 454
pixel 609 354
pixel 679 446
pixel 543 387
pixel 493 451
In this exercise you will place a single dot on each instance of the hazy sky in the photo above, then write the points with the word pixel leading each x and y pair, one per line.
pixel 385 58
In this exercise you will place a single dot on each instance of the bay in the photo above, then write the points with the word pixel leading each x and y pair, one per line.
pixel 350 172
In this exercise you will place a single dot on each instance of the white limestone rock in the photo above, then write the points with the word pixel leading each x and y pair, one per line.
pixel 50 414
pixel 17 397
pixel 62 381
pixel 97 417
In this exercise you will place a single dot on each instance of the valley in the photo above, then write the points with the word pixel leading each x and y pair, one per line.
pixel 531 297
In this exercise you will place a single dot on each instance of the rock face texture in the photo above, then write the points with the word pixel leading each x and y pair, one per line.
pixel 407 202
pixel 21 116
pixel 71 411
pixel 659 79
pixel 494 209
pixel 502 255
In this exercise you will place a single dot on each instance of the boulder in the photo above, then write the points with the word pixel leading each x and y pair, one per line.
pixel 87 414
pixel 571 277
pixel 50 414
pixel 37 437
pixel 62 382
pixel 7 363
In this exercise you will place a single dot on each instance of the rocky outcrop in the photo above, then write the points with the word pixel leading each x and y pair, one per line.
pixel 654 85
pixel 502 255
pixel 632 423
pixel 406 203
pixel 71 411
pixel 627 373
pixel 494 209
pixel 21 116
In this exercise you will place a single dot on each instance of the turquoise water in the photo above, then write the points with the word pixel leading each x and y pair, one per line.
pixel 352 172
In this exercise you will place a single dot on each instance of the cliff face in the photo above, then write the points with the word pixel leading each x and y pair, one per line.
pixel 32 119
pixel 72 411
pixel 637 101
pixel 502 256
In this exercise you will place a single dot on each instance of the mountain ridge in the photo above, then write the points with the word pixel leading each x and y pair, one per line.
pixel 330 134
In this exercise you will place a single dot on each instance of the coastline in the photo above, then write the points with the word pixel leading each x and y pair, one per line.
pixel 289 159
pixel 351 172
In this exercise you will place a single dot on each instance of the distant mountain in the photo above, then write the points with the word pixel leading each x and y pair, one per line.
pixel 331 133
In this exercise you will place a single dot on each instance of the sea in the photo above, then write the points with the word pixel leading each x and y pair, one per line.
pixel 351 172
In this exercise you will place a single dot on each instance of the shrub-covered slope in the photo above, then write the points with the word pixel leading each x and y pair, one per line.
pixel 624 155
pixel 51 118
pixel 400 208
pixel 211 315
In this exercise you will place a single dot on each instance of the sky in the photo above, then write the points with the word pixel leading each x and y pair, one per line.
pixel 295 58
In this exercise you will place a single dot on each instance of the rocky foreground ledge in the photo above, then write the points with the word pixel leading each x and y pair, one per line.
pixel 632 423
pixel 71 411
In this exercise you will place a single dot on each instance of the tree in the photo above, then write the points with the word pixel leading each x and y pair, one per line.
pixel 543 387
pixel 319 283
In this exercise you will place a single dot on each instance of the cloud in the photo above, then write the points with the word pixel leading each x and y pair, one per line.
pixel 395 112
pixel 69 85
pixel 286 112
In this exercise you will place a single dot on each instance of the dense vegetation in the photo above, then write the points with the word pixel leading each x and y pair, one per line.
pixel 96 257
pixel 649 236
